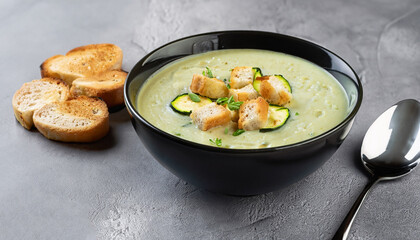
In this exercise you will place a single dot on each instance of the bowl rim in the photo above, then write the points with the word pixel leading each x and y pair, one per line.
pixel 135 114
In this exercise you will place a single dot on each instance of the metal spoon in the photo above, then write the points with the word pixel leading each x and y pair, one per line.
pixel 390 149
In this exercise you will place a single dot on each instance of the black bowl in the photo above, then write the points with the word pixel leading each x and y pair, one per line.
pixel 241 171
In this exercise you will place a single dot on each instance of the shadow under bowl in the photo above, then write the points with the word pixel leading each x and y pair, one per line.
pixel 241 171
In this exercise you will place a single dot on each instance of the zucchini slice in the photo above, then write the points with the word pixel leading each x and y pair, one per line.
pixel 257 72
pixel 184 105
pixel 284 82
pixel 277 117
pixel 257 82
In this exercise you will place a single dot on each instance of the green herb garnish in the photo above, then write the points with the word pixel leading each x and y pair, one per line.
pixel 232 105
pixel 194 97
pixel 178 134
pixel 238 132
pixel 296 114
pixel 228 86
pixel 187 124
pixel 222 101
pixel 226 130
pixel 208 73
pixel 217 142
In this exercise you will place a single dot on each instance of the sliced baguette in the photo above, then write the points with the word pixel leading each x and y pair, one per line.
pixel 33 95
pixel 82 119
pixel 85 61
pixel 107 86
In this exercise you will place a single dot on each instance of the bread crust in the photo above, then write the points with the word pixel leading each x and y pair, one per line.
pixel 240 77
pixel 274 94
pixel 208 87
pixel 84 61
pixel 82 119
pixel 33 95
pixel 243 94
pixel 108 86
pixel 209 116
pixel 253 114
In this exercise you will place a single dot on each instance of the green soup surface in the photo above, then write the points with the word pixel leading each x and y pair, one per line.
pixel 319 102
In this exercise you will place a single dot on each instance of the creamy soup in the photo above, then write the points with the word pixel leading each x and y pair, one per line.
pixel 319 102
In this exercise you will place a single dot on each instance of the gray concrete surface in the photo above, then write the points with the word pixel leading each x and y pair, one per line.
pixel 114 189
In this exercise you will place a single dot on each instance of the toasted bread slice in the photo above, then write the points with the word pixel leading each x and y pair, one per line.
pixel 243 94
pixel 253 114
pixel 274 92
pixel 107 86
pixel 85 61
pixel 210 115
pixel 241 76
pixel 82 119
pixel 208 87
pixel 33 95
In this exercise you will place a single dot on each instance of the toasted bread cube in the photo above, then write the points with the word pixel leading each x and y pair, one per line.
pixel 208 87
pixel 243 94
pixel 234 114
pixel 274 92
pixel 210 115
pixel 253 114
pixel 241 76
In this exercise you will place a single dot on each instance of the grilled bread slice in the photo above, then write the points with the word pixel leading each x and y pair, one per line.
pixel 33 95
pixel 107 86
pixel 83 119
pixel 81 62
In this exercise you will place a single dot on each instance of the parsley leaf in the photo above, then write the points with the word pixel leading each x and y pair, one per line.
pixel 217 142
pixel 232 105
pixel 222 101
pixel 238 132
pixel 208 73
pixel 226 130
pixel 194 97
pixel 187 124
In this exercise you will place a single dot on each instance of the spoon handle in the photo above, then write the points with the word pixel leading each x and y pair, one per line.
pixel 345 226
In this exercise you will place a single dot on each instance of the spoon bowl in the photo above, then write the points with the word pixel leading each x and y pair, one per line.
pixel 390 150
pixel 392 144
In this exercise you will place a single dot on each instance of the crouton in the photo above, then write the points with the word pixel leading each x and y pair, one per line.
pixel 253 114
pixel 234 114
pixel 241 76
pixel 243 94
pixel 208 87
pixel 210 116
pixel 274 92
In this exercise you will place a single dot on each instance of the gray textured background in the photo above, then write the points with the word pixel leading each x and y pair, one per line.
pixel 114 189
